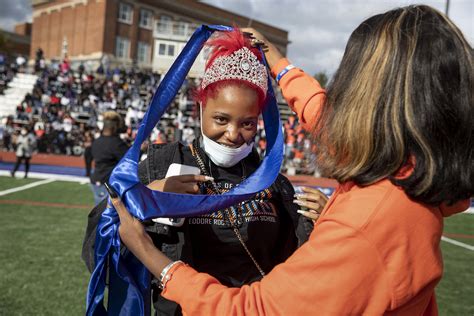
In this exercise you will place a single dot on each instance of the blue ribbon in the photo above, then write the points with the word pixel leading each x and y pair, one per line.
pixel 129 280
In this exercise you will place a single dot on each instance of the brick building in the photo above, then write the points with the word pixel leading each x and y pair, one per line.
pixel 148 33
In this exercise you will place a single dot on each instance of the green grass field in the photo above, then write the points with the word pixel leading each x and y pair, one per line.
pixel 41 271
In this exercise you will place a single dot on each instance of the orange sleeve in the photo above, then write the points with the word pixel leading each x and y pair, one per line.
pixel 306 284
pixel 302 92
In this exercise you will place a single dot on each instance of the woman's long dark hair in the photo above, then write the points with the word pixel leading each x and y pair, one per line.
pixel 402 96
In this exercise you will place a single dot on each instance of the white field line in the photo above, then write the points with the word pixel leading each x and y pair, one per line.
pixel 40 175
pixel 457 243
pixel 25 187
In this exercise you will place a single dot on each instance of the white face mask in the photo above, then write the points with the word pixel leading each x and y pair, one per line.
pixel 221 155
pixel 23 132
pixel 224 156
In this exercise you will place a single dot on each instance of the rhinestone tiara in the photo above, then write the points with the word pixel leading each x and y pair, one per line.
pixel 242 65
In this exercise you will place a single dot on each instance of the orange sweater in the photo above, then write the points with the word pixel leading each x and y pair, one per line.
pixel 373 251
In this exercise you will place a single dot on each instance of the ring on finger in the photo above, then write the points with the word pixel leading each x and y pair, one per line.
pixel 257 42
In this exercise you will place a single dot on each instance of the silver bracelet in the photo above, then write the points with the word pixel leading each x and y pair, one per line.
pixel 164 276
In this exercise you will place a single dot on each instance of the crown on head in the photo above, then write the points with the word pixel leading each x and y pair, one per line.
pixel 242 65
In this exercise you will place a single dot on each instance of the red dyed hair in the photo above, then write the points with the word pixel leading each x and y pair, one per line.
pixel 224 44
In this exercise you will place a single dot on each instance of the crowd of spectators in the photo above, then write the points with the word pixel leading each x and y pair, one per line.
pixel 64 112
pixel 8 69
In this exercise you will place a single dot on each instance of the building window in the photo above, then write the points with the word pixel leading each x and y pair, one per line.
pixel 190 28
pixel 170 50
pixel 180 28
pixel 143 52
pixel 164 24
pixel 125 13
pixel 146 17
pixel 162 49
pixel 166 49
pixel 122 47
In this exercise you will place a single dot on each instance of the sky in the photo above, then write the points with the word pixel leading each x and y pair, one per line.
pixel 318 29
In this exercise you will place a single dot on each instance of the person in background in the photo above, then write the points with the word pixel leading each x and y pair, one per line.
pixel 88 139
pixel 25 144
pixel 7 135
pixel 20 61
pixel 106 152
pixel 395 128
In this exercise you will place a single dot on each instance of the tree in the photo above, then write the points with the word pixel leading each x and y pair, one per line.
pixel 3 43
pixel 322 78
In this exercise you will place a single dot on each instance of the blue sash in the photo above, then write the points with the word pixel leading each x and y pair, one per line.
pixel 129 280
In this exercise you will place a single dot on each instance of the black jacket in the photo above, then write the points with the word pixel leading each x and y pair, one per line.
pixel 106 151
pixel 174 241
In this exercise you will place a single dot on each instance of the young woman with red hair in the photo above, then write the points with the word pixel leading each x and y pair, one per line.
pixel 241 244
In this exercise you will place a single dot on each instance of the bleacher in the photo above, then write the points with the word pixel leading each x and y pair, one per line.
pixel 15 92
